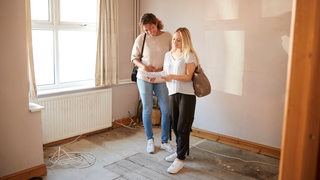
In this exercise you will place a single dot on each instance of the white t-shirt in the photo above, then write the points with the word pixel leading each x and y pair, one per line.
pixel 178 67
pixel 154 49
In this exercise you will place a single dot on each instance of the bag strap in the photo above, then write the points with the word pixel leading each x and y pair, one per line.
pixel 144 40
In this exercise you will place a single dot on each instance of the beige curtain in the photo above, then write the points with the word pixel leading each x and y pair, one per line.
pixel 107 45
pixel 31 76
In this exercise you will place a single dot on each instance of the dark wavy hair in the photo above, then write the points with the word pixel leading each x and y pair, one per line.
pixel 149 18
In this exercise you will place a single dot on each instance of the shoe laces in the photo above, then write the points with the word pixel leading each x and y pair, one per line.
pixel 150 142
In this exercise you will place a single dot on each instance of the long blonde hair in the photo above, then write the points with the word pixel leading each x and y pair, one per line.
pixel 187 47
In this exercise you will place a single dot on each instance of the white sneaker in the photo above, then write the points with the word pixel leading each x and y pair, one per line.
pixel 167 147
pixel 150 146
pixel 172 157
pixel 176 166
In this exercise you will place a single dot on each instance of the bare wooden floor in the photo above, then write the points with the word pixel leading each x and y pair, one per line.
pixel 121 154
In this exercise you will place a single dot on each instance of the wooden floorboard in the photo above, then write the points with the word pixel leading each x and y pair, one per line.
pixel 204 162
pixel 121 155
pixel 137 167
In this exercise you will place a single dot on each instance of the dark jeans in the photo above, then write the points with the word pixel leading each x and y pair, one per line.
pixel 182 108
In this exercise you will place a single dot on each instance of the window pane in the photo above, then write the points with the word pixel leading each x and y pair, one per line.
pixel 43 56
pixel 82 10
pixel 39 10
pixel 77 55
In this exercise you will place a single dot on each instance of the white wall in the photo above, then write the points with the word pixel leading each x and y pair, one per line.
pixel 126 38
pixel 20 130
pixel 125 96
pixel 242 45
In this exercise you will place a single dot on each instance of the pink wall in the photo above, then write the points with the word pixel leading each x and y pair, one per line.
pixel 242 46
pixel 20 130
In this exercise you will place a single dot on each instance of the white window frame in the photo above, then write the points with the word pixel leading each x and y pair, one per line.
pixel 54 25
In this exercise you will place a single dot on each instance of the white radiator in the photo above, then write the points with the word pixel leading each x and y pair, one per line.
pixel 65 116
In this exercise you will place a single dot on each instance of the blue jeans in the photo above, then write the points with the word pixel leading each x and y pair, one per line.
pixel 146 90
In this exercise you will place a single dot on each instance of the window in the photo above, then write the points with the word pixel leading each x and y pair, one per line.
pixel 64 40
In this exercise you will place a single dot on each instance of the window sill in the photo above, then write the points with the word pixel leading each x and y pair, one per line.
pixel 63 91
pixel 33 107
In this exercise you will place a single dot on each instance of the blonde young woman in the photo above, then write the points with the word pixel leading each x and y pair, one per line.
pixel 157 43
pixel 179 65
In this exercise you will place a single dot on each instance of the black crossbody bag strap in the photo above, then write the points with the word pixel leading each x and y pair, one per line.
pixel 144 40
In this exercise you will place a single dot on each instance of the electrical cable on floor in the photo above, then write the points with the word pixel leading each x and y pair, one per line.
pixel 132 124
pixel 231 157
pixel 75 159
pixel 126 126
pixel 79 159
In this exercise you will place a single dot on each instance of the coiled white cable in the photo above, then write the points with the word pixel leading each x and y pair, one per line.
pixel 74 159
